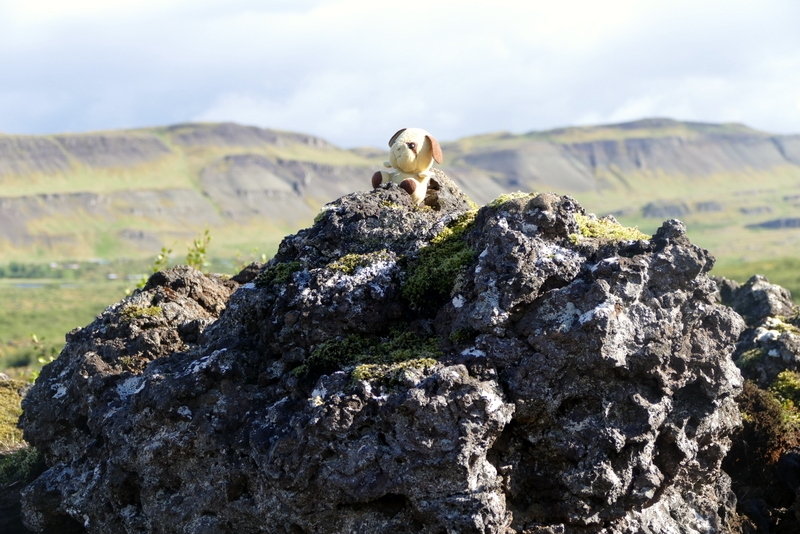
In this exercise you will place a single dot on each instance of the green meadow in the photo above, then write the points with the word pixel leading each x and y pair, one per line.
pixel 40 302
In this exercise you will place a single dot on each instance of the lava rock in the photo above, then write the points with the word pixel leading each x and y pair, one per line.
pixel 771 342
pixel 552 382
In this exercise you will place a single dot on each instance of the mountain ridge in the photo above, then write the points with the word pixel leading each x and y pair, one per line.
pixel 251 185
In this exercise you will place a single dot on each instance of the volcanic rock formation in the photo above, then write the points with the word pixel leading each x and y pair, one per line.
pixel 524 367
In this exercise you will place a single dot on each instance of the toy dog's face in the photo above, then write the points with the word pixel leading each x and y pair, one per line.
pixel 413 150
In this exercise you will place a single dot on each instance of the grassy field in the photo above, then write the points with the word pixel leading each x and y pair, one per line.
pixel 37 312
pixel 40 303
pixel 782 271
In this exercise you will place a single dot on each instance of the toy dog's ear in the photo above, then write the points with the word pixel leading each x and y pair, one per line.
pixel 395 136
pixel 436 150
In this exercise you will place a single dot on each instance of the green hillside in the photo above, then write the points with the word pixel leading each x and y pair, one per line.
pixel 128 193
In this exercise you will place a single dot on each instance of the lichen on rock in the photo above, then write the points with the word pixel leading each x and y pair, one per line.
pixel 401 370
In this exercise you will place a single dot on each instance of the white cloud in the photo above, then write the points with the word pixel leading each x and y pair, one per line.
pixel 354 71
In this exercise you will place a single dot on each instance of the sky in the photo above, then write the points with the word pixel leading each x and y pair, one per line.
pixel 354 72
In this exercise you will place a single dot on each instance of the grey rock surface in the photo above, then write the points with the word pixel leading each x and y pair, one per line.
pixel 558 383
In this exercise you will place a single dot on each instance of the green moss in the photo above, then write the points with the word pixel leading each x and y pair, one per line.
pixel 24 464
pixel 502 199
pixel 605 229
pixel 433 274
pixel 464 336
pixel 786 387
pixel 349 263
pixel 139 312
pixel 277 273
pixel 359 350
pixel 319 216
pixel 10 410
pixel 750 358
pixel 389 373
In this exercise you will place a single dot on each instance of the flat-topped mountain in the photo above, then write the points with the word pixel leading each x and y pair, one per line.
pixel 616 157
pixel 127 193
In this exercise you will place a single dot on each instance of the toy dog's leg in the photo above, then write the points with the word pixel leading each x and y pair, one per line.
pixel 381 177
pixel 409 186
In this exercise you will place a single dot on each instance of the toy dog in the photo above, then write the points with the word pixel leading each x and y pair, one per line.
pixel 412 153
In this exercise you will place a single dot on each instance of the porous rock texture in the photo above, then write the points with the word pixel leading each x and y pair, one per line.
pixel 771 342
pixel 582 385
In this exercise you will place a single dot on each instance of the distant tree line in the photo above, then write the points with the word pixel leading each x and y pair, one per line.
pixel 35 270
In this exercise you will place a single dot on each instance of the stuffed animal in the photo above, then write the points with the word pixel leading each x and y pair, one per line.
pixel 412 153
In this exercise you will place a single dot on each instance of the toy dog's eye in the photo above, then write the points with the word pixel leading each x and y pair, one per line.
pixel 412 146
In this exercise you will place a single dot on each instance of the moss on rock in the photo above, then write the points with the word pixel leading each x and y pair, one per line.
pixel 357 350
pixel 349 263
pixel 140 312
pixel 502 199
pixel 277 273
pixel 766 434
pixel 782 325
pixel 750 357
pixel 786 388
pixel 433 274
pixel 606 229
pixel 390 373
pixel 24 464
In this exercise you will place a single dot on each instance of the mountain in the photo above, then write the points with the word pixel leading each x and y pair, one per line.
pixel 617 157
pixel 128 193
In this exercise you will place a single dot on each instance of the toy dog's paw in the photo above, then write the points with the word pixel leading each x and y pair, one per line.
pixel 387 164
pixel 409 186
pixel 377 178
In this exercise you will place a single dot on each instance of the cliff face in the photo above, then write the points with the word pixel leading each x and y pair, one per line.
pixel 519 368
pixel 144 189
pixel 617 156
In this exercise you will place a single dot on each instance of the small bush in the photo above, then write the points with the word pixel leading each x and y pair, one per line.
pixel 24 464
pixel 196 255
pixel 768 431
